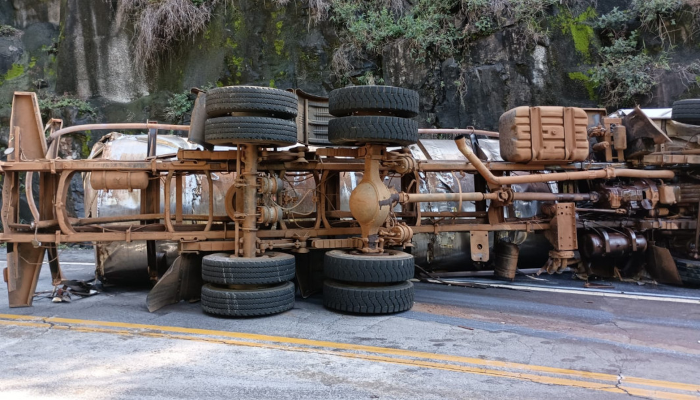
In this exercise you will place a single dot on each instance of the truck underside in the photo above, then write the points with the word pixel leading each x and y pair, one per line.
pixel 608 196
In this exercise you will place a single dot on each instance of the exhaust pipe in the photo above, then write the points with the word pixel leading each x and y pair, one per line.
pixel 607 173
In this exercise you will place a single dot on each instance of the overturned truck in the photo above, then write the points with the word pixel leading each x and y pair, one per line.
pixel 280 187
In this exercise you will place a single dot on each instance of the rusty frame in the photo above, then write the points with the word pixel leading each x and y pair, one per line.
pixel 371 221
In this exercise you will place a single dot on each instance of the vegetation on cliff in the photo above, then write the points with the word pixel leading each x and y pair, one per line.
pixel 433 28
pixel 628 68
pixel 623 66
pixel 160 24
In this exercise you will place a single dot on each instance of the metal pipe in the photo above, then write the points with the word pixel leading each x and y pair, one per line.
pixel 607 173
pixel 438 197
pixel 250 191
pixel 50 223
pixel 166 207
pixel 445 214
pixel 475 196
pixel 28 190
pixel 602 210
pixel 458 132
pixel 60 204
pixel 210 219
pixel 92 127
pixel 534 196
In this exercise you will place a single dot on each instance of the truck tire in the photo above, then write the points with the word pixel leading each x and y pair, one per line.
pixel 382 130
pixel 256 130
pixel 368 299
pixel 686 111
pixel 251 99
pixel 389 267
pixel 271 268
pixel 689 271
pixel 387 100
pixel 247 302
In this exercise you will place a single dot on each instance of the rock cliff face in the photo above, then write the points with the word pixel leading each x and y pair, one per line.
pixel 83 50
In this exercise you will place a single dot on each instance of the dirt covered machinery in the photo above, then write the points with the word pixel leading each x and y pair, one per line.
pixel 271 211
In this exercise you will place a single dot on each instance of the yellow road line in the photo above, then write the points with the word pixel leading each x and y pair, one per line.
pixel 450 367
pixel 390 360
pixel 132 329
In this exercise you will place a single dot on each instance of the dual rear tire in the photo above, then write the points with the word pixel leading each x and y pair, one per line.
pixel 250 114
pixel 373 114
pixel 356 283
pixel 368 283
pixel 686 111
pixel 248 287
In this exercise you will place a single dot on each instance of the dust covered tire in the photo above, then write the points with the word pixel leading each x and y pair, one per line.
pixel 689 271
pixel 381 130
pixel 368 299
pixel 247 302
pixel 257 130
pixel 686 111
pixel 387 100
pixel 271 268
pixel 389 267
pixel 252 99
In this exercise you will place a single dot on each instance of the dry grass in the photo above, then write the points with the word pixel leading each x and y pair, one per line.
pixel 319 10
pixel 160 23
pixel 341 63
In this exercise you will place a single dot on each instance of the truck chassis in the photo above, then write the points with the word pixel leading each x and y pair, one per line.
pixel 603 213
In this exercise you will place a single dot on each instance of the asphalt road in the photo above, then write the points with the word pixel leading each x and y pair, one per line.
pixel 455 343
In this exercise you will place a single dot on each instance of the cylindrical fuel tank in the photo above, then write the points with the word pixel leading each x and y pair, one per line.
pixel 115 180
pixel 505 260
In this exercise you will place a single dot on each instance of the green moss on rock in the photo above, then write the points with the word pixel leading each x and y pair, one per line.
pixel 587 83
pixel 580 30
pixel 16 71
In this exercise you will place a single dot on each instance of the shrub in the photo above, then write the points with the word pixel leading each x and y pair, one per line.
pixel 56 104
pixel 430 26
pixel 180 104
pixel 6 30
pixel 651 10
pixel 614 23
pixel 626 73
pixel 657 15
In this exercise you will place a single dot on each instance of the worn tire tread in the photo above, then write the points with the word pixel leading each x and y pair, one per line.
pixel 341 266
pixel 396 101
pixel 247 303
pixel 228 99
pixel 262 130
pixel 368 300
pixel 372 129
pixel 686 111
pixel 223 270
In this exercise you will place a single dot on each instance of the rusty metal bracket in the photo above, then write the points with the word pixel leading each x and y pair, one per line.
pixel 479 242
pixel 562 232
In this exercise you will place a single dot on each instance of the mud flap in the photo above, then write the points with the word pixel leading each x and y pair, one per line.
pixel 22 273
pixel 182 281
pixel 662 267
